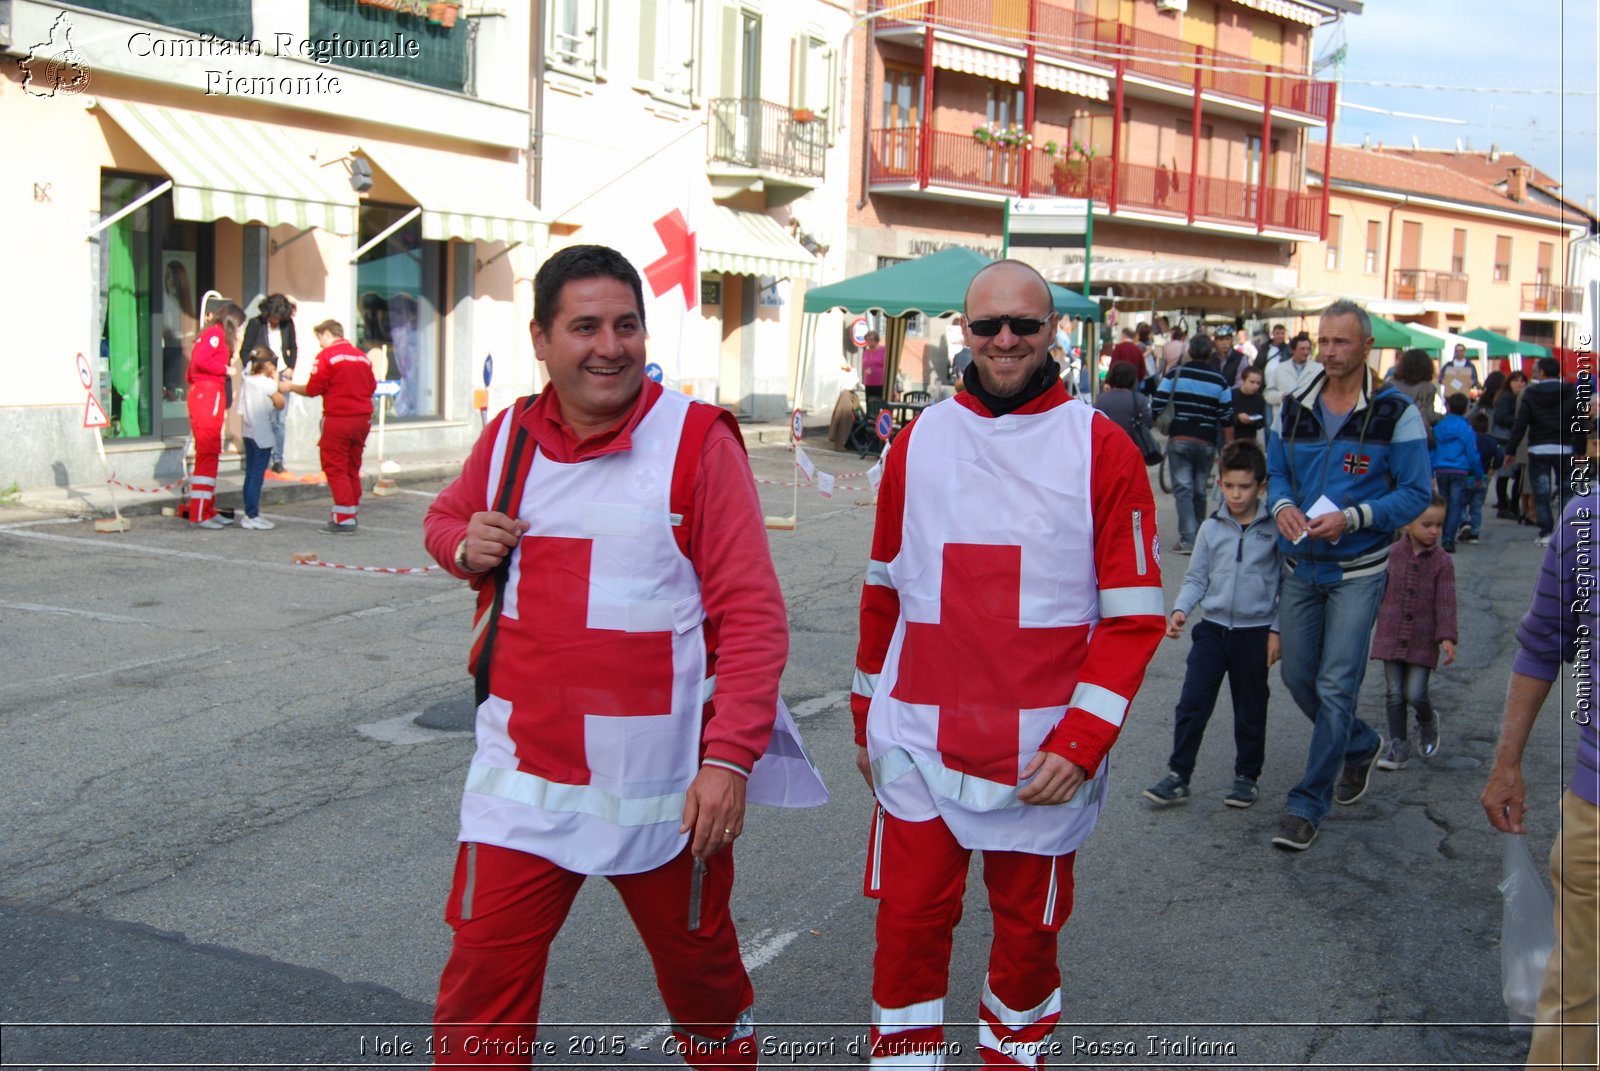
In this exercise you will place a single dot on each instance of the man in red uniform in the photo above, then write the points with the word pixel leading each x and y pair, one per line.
pixel 1011 604
pixel 209 364
pixel 343 379
pixel 616 539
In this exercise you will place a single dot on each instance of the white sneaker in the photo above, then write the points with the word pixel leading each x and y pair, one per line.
pixel 212 523
pixel 224 518
pixel 1541 541
pixel 257 524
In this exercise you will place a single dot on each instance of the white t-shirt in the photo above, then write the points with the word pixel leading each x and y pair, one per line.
pixel 274 341
pixel 255 409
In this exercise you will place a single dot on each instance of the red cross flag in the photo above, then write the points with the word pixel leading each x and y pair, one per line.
pixel 652 214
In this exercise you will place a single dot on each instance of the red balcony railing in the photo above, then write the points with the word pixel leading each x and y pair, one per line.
pixel 1413 284
pixel 1547 297
pixel 1062 31
pixel 1293 210
pixel 1055 177
pixel 1224 200
pixel 895 154
pixel 964 163
pixel 1160 188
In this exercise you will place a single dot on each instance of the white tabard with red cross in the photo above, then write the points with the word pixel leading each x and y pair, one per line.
pixel 997 600
pixel 591 732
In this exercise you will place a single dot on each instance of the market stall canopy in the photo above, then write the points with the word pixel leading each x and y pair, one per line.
pixel 470 198
pixel 1447 341
pixel 1393 335
pixel 1172 283
pixel 1503 346
pixel 934 285
pixel 220 171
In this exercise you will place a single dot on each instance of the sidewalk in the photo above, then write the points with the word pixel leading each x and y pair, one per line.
pixel 293 486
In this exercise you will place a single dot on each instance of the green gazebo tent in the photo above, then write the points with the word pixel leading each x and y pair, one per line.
pixel 1503 346
pixel 1393 335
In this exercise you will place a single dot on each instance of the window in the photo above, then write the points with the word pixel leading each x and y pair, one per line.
pixel 1458 252
pixel 902 107
pixel 1541 271
pixel 1369 263
pixel 667 47
pixel 813 78
pixel 1003 163
pixel 1335 253
pixel 1502 258
pixel 574 39
pixel 399 295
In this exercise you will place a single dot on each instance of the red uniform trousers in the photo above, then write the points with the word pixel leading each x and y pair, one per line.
pixel 917 872
pixel 205 424
pixel 506 907
pixel 343 440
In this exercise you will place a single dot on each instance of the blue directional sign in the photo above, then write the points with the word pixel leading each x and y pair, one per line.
pixel 885 425
pixel 654 372
pixel 488 368
pixel 387 388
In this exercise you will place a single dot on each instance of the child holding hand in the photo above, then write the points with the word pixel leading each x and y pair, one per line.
pixel 1416 620
pixel 261 395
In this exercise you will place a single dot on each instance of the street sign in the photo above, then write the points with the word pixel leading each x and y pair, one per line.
pixel 797 424
pixel 1060 222
pixel 93 415
pixel 858 331
pixel 654 372
pixel 885 425
pixel 387 388
pixel 488 368
pixel 85 376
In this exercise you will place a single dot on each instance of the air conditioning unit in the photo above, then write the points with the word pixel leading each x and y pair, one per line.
pixel 1172 5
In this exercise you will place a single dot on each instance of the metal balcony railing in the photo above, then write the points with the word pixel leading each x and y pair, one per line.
pixel 766 136
pixel 1548 297
pixel 1414 284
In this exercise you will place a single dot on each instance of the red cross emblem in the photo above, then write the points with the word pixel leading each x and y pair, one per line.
pixel 562 670
pixel 980 667
pixel 680 264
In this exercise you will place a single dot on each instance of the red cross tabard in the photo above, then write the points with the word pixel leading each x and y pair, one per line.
pixel 555 669
pixel 980 667
pixel 680 264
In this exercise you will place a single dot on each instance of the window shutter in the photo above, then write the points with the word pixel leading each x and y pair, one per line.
pixel 730 51
pixel 648 42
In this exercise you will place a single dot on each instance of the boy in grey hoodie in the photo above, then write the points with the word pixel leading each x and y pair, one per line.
pixel 1234 579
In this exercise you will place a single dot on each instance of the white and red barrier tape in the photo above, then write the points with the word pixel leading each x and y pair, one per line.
pixel 415 571
pixel 807 483
pixel 112 479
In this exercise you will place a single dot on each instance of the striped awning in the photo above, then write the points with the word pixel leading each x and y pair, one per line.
pixel 1286 9
pixel 979 61
pixel 465 197
pixel 223 167
pixel 1169 280
pixel 750 243
pixel 1068 80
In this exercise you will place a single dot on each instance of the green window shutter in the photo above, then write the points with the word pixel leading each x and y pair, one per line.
pixel 648 18
pixel 730 51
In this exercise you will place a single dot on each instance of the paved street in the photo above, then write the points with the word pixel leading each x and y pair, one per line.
pixel 215 809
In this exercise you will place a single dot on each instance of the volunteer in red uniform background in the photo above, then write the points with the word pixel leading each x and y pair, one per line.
pixel 209 363
pixel 1009 611
pixel 617 530
pixel 343 379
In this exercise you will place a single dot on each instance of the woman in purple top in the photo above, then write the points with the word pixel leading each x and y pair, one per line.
pixel 873 357
pixel 1561 627
pixel 1416 619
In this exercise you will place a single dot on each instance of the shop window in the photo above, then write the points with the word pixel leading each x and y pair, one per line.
pixel 399 298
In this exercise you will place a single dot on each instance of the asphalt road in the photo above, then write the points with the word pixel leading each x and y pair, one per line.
pixel 216 809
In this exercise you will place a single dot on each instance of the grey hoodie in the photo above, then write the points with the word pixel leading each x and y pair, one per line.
pixel 1235 572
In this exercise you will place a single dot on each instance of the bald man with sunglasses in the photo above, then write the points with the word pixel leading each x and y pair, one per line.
pixel 1012 602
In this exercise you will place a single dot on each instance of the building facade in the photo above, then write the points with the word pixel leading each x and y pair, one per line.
pixel 1184 122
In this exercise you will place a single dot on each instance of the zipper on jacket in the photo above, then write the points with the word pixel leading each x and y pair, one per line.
pixel 1138 541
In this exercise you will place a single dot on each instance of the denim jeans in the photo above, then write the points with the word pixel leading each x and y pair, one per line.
pixel 255 470
pixel 1453 488
pixel 1240 654
pixel 1326 630
pixel 1191 473
pixel 1405 683
pixel 275 422
pixel 1551 488
pixel 1476 496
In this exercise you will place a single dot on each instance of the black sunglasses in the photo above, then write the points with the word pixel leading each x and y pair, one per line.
pixel 1021 326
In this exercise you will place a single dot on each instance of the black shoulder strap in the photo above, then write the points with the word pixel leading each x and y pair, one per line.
pixel 497 579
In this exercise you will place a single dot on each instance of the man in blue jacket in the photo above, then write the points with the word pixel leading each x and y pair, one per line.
pixel 1348 468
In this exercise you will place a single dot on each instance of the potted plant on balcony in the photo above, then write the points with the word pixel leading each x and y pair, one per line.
pixel 1072 169
pixel 804 115
pixel 443 13
pixel 1009 137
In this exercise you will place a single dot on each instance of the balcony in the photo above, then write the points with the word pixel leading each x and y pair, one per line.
pixel 1412 284
pixel 1064 33
pixel 1549 298
pixel 781 145
pixel 957 164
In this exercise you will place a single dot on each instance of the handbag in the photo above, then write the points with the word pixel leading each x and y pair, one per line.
pixel 1164 418
pixel 1147 444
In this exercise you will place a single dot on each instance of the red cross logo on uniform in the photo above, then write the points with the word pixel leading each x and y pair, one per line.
pixel 980 667
pixel 556 670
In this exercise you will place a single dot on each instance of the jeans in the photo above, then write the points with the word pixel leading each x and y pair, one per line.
pixel 1325 631
pixel 1405 683
pixel 275 422
pixel 1453 489
pixel 1191 473
pixel 1476 495
pixel 1241 655
pixel 255 470
pixel 1551 488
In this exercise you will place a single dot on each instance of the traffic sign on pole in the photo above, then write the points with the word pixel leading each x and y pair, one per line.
pixel 885 425
pixel 93 415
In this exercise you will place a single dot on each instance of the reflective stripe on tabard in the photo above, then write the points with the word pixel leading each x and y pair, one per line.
pixel 626 819
pixel 975 480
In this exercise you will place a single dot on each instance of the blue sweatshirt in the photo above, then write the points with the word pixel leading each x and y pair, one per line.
pixel 1455 447
pixel 1376 461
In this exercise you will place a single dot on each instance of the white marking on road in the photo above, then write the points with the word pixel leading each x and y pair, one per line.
pixel 79 519
pixel 403 730
pixel 68 611
pixel 760 950
pixel 816 706
pixel 187 555
pixel 424 494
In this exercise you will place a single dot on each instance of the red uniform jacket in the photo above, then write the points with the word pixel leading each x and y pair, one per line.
pixel 343 377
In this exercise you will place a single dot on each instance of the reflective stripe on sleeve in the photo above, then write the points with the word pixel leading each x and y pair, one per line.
pixel 1103 703
pixel 878 573
pixel 1132 602
pixel 864 683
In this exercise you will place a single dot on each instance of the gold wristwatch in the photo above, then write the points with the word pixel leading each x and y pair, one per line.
pixel 461 557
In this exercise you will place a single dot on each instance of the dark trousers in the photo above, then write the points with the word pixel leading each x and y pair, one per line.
pixel 1240 654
